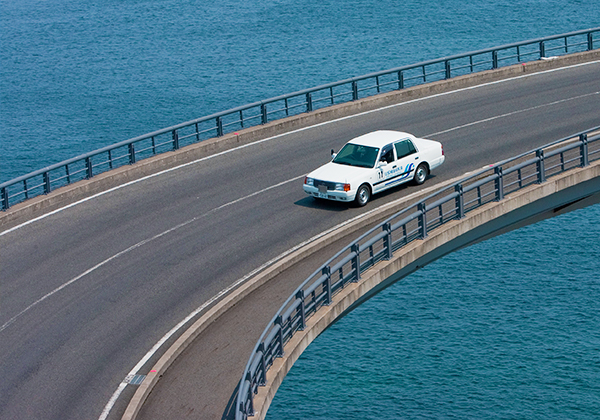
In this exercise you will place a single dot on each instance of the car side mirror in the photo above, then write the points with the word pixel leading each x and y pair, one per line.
pixel 382 163
pixel 333 154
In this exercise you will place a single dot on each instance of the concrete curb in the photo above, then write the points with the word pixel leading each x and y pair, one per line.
pixel 62 196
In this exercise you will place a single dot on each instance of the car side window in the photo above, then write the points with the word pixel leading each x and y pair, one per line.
pixel 387 154
pixel 405 148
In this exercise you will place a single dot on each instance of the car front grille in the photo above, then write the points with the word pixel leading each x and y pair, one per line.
pixel 329 185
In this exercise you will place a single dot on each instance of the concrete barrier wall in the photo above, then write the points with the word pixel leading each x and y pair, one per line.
pixel 35 207
pixel 561 194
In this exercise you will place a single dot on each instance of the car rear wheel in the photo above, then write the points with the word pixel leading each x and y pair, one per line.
pixel 363 195
pixel 421 174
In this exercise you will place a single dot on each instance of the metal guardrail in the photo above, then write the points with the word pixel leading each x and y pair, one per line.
pixel 406 226
pixel 172 138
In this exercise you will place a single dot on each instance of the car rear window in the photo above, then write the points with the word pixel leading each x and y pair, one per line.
pixel 404 148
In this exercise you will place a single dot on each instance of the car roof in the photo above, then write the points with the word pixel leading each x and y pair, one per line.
pixel 380 138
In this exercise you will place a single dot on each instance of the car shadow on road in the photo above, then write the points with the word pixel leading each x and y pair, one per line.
pixel 320 204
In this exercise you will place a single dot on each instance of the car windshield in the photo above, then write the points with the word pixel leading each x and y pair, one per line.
pixel 357 155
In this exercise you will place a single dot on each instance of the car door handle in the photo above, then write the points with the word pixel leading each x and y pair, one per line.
pixel 394 167
pixel 417 158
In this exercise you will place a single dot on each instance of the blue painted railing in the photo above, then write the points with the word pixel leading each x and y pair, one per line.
pixel 172 138
pixel 411 224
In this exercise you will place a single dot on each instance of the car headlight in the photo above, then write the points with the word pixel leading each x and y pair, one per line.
pixel 309 181
pixel 342 187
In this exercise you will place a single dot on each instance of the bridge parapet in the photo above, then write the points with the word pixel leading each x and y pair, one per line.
pixel 342 274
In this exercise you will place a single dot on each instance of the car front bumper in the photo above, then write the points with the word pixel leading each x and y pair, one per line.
pixel 344 196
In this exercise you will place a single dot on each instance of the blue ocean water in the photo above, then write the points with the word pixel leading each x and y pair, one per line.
pixel 478 334
pixel 505 329
pixel 76 76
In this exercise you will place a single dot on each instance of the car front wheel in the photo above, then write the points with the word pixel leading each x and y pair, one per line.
pixel 363 195
pixel 421 174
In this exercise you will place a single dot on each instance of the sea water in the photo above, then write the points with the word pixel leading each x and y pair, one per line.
pixel 505 329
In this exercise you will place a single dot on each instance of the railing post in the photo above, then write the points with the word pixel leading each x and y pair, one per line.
pixel 26 190
pixel 542 49
pixel 263 113
pixel 327 272
pixel 131 154
pixel 400 80
pixel 585 157
pixel 250 411
pixel 354 90
pixel 460 201
pixel 47 187
pixel 300 295
pixel 590 41
pixel 279 322
pixel 175 140
pixel 448 71
pixel 387 241
pixel 89 167
pixel 219 127
pixel 197 131
pixel 540 166
pixel 423 220
pixel 4 199
pixel 356 262
pixel 263 365
pixel 494 59
pixel 499 183
pixel 287 108
pixel 309 102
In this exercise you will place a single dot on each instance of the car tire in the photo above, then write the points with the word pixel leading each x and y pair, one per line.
pixel 363 195
pixel 421 174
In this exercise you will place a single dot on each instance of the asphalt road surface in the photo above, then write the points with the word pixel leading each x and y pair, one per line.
pixel 86 292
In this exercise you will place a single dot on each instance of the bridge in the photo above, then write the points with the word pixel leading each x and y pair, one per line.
pixel 97 282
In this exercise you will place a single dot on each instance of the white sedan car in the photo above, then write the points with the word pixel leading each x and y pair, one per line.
pixel 373 163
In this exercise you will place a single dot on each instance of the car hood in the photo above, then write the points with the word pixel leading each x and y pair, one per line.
pixel 334 172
